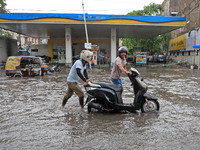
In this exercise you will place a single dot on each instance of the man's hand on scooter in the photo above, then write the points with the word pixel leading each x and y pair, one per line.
pixel 88 80
pixel 128 72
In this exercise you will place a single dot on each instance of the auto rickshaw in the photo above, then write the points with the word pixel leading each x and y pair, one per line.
pixel 25 66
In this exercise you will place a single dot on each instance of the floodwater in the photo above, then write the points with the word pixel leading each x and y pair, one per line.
pixel 31 116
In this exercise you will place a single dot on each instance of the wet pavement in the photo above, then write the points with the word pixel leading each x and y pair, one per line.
pixel 31 116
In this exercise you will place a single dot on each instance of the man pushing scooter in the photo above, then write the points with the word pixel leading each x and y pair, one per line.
pixel 78 71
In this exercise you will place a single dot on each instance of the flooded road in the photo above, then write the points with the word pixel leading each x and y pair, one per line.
pixel 31 116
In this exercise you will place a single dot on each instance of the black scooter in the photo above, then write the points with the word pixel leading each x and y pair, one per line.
pixel 107 97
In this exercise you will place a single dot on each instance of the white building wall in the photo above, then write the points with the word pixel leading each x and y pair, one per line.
pixel 3 54
pixel 42 50
pixel 190 41
pixel 8 47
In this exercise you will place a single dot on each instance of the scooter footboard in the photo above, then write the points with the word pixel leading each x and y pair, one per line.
pixel 124 107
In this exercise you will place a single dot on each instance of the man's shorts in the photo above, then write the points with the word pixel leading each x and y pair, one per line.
pixel 73 87
pixel 117 81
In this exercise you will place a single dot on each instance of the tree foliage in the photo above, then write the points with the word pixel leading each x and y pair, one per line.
pixel 152 45
pixel 151 10
pixel 3 6
pixel 4 10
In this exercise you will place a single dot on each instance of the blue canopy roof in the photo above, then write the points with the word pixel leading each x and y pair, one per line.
pixel 49 25
pixel 196 46
pixel 89 17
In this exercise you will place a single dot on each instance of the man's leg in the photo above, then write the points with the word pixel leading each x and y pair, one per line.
pixel 77 89
pixel 81 101
pixel 118 82
pixel 68 94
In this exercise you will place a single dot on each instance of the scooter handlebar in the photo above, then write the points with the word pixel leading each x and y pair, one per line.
pixel 93 84
pixel 90 84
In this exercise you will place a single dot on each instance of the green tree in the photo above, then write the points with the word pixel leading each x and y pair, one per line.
pixel 152 45
pixel 8 34
pixel 151 10
pixel 4 10
pixel 3 6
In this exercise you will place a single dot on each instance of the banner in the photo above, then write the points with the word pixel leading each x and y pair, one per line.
pixel 141 57
pixel 178 44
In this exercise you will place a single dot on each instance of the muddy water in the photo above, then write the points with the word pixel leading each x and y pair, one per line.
pixel 31 116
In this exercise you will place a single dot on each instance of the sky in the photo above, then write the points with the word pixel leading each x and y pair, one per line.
pixel 75 6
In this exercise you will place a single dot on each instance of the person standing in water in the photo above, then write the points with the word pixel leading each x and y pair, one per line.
pixel 78 71
pixel 119 66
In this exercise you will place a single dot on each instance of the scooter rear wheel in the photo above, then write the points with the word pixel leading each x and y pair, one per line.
pixel 152 106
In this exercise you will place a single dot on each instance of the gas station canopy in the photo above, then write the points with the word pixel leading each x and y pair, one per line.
pixel 50 25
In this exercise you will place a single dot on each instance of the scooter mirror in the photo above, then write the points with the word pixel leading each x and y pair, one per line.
pixel 134 72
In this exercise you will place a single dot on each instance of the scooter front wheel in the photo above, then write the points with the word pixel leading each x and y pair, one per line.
pixel 93 105
pixel 150 106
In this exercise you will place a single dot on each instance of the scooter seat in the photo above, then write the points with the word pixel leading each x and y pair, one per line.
pixel 114 87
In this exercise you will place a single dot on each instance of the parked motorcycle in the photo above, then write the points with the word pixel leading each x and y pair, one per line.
pixel 108 97
pixel 55 68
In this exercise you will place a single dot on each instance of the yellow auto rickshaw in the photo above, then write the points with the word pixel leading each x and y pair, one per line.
pixel 25 66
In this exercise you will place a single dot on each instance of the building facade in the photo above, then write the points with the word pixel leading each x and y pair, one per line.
pixel 183 39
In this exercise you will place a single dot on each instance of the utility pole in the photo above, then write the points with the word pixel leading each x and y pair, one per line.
pixel 194 42
pixel 86 32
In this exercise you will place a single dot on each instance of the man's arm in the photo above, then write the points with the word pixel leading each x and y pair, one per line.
pixel 85 74
pixel 78 70
pixel 123 69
